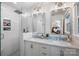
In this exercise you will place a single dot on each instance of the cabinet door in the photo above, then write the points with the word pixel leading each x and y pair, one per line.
pixel 55 51
pixel 27 49
pixel 69 52
pixel 77 52
pixel 35 49
pixel 31 49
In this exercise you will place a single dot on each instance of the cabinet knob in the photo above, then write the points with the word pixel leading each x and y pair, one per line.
pixel 31 46
pixel 2 36
pixel 44 53
pixel 61 53
pixel 44 47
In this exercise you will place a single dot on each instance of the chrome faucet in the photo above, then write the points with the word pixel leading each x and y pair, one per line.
pixel 42 36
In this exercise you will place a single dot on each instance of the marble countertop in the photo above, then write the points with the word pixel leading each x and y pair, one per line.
pixel 28 37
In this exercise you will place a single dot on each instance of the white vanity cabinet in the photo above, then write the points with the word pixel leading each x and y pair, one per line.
pixel 31 49
pixel 37 49
pixel 62 51
pixel 40 49
pixel 27 48
pixel 69 52
pixel 77 51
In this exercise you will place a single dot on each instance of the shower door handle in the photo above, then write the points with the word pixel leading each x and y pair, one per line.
pixel 2 36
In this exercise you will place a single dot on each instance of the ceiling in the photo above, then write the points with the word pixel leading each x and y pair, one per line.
pixel 29 7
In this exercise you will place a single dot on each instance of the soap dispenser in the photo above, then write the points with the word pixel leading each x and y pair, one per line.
pixel 47 35
pixel 42 36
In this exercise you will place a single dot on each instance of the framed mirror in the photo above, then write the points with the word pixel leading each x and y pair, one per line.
pixel 61 22
pixel 68 23
pixel 57 17
pixel 38 23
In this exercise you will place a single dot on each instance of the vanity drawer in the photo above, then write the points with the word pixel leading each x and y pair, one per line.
pixel 44 54
pixel 44 47
pixel 44 50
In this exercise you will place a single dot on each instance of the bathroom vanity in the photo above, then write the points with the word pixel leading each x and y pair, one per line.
pixel 43 47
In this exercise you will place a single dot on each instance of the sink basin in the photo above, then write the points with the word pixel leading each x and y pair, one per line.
pixel 57 37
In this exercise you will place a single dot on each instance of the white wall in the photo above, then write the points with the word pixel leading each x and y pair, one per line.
pixel 27 23
pixel 24 23
pixel 38 23
pixel 10 43
pixel 46 18
pixel 48 22
pixel 75 37
pixel 34 22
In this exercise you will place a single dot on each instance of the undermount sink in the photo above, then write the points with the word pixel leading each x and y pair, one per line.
pixel 57 37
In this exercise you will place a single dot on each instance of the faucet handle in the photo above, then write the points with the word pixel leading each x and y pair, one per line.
pixel 47 35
